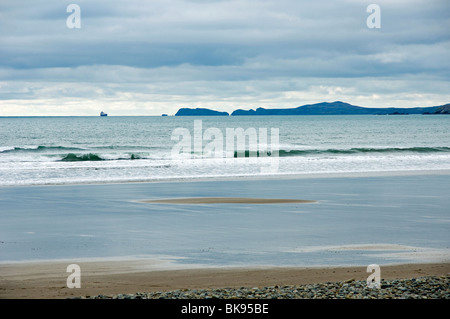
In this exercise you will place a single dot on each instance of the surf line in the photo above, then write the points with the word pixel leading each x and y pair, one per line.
pixel 237 143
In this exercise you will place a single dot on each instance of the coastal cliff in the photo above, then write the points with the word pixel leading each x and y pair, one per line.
pixel 324 108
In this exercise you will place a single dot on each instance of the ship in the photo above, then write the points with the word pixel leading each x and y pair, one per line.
pixel 103 114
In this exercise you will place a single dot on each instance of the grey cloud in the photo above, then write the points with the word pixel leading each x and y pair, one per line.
pixel 261 49
pixel 155 33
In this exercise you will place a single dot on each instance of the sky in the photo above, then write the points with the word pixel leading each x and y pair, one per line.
pixel 152 57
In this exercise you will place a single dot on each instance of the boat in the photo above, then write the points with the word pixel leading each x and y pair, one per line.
pixel 103 114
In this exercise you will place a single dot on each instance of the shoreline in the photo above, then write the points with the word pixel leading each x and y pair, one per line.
pixel 48 280
pixel 193 179
pixel 339 202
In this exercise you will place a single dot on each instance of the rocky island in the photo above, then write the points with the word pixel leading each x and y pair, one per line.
pixel 324 108
pixel 199 112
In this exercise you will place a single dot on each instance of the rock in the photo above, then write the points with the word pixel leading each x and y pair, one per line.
pixel 430 287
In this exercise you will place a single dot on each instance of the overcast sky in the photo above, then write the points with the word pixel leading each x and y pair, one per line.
pixel 151 57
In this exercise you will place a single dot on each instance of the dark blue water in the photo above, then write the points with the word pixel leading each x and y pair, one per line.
pixel 68 150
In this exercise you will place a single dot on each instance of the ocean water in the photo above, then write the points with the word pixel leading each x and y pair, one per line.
pixel 73 150
pixel 97 213
pixel 355 221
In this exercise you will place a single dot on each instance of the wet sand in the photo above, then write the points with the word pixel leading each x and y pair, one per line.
pixel 106 220
pixel 226 200
pixel 48 279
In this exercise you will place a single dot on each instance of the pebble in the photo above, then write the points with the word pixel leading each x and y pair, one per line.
pixel 429 287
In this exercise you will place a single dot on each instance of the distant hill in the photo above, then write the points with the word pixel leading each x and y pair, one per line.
pixel 324 108
pixel 335 108
pixel 444 109
pixel 199 112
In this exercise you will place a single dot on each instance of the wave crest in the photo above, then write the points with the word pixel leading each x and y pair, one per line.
pixel 85 157
pixel 40 148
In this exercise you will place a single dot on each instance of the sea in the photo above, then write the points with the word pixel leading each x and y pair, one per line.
pixel 74 189
pixel 116 149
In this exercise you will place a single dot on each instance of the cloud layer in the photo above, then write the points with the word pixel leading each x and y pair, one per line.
pixel 151 57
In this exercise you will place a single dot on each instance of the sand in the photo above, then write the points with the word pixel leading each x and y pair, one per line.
pixel 226 200
pixel 48 279
pixel 30 280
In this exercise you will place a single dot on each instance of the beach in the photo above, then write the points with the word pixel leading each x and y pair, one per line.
pixel 148 237
pixel 47 280
pixel 224 149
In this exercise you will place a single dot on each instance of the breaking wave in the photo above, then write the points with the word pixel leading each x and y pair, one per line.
pixel 40 148
pixel 85 157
